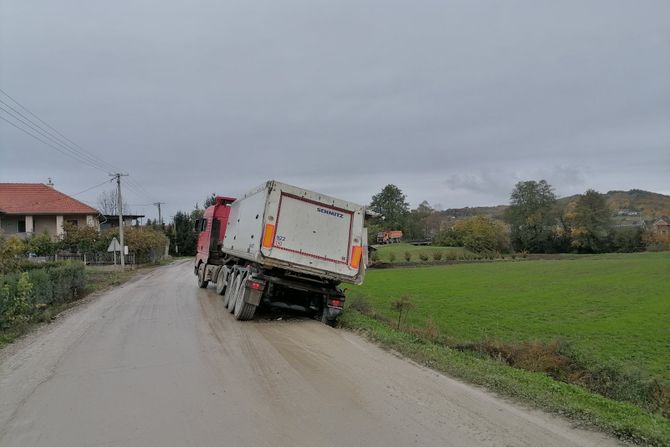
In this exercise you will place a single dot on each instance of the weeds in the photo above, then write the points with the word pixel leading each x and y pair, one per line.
pixel 402 306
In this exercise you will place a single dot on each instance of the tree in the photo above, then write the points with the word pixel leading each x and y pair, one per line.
pixel 184 237
pixel 591 223
pixel 531 215
pixel 108 203
pixel 209 201
pixel 479 234
pixel 391 204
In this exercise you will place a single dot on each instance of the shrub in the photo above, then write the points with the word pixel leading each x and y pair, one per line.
pixel 41 244
pixel 10 249
pixel 23 293
pixel 408 256
pixel 423 257
pixel 147 243
pixel 437 255
pixel 391 257
pixel 374 256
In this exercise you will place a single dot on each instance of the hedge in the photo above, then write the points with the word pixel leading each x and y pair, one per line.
pixel 23 294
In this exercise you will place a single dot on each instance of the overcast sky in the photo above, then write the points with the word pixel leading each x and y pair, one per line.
pixel 453 101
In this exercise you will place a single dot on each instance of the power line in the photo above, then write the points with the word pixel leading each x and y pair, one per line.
pixel 38 138
pixel 82 152
pixel 81 156
pixel 40 131
pixel 64 142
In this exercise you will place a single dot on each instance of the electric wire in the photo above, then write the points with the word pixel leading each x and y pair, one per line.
pixel 80 156
pixel 82 152
pixel 64 142
pixel 69 152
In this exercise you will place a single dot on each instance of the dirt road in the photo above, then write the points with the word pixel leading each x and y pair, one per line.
pixel 158 362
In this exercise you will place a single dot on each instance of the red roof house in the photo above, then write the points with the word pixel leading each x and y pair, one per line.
pixel 27 208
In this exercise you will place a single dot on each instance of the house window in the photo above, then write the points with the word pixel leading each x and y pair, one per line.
pixel 21 227
pixel 73 222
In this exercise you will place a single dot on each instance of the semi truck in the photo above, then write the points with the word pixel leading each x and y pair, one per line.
pixel 281 247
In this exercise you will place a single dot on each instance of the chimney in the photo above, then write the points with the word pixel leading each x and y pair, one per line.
pixel 50 184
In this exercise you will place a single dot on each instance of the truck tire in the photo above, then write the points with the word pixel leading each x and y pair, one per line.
pixel 328 321
pixel 229 289
pixel 222 280
pixel 202 282
pixel 229 298
pixel 243 311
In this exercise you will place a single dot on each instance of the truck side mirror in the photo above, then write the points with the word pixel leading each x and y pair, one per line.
pixel 196 227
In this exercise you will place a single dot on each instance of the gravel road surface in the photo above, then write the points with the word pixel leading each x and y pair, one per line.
pixel 159 362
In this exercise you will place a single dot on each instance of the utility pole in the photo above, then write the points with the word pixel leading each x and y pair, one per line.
pixel 119 204
pixel 160 218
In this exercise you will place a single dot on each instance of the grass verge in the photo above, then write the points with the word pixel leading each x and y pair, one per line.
pixel 619 418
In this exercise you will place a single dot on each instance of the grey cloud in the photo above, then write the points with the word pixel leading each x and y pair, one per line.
pixel 454 102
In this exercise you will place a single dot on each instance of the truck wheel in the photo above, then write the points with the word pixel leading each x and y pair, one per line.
pixel 229 298
pixel 328 321
pixel 222 280
pixel 229 290
pixel 243 311
pixel 202 282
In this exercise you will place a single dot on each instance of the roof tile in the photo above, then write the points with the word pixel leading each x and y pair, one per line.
pixel 38 198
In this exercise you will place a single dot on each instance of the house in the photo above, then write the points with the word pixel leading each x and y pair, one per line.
pixel 662 226
pixel 108 221
pixel 27 208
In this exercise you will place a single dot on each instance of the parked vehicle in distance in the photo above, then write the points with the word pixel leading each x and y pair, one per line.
pixel 281 246
pixel 389 237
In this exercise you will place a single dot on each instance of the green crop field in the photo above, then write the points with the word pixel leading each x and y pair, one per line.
pixel 398 250
pixel 609 308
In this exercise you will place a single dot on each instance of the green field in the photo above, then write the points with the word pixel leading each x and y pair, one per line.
pixel 384 252
pixel 610 309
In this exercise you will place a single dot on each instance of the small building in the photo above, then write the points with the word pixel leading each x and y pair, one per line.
pixel 662 226
pixel 28 208
pixel 108 221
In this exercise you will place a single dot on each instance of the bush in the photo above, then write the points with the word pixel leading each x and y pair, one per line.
pixel 391 257
pixel 437 255
pixel 423 257
pixel 147 243
pixel 21 294
pixel 41 245
pixel 10 250
pixel 408 256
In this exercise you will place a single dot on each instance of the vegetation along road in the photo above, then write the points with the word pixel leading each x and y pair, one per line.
pixel 158 361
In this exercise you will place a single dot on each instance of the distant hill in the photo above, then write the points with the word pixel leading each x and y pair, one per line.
pixel 649 205
pixel 489 211
pixel 635 203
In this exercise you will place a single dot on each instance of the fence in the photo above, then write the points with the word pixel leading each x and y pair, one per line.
pixel 87 258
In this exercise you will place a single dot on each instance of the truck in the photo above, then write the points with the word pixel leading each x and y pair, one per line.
pixel 281 247
pixel 389 237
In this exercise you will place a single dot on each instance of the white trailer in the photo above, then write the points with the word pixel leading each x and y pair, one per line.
pixel 294 246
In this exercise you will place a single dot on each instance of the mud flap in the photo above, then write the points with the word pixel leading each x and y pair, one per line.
pixel 252 297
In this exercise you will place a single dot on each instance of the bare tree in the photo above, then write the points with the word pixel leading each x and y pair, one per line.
pixel 107 203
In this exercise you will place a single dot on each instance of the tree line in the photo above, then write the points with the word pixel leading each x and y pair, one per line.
pixel 534 222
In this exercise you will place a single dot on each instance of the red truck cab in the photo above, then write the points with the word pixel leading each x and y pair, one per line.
pixel 211 229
